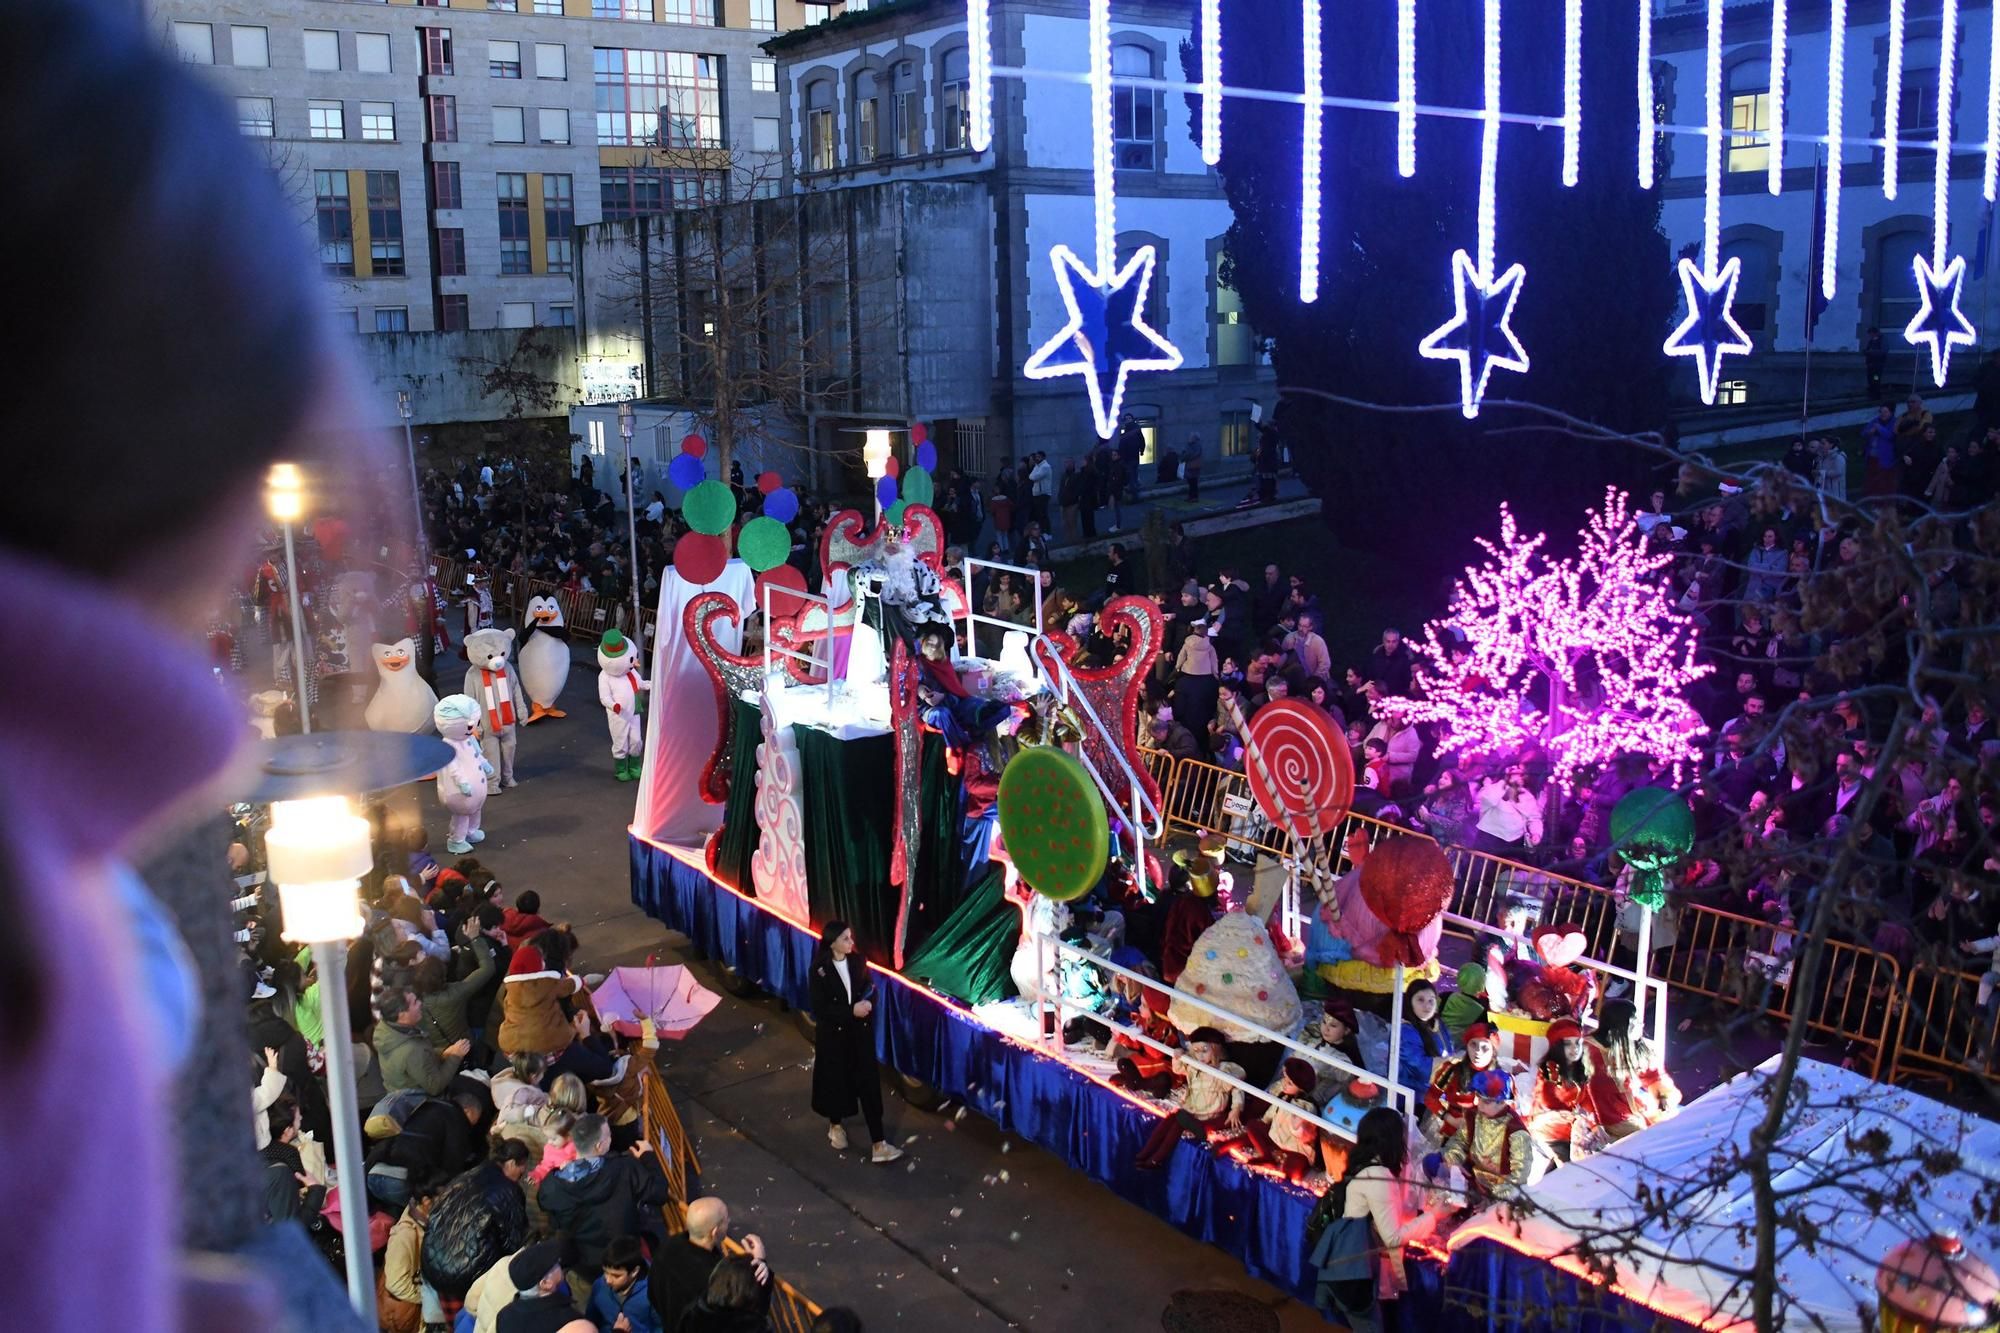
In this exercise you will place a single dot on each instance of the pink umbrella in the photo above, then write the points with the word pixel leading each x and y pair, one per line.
pixel 669 995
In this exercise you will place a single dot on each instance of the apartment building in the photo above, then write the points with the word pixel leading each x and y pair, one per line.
pixel 443 152
pixel 1775 235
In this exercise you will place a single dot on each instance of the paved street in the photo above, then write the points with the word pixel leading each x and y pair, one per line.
pixel 971 1231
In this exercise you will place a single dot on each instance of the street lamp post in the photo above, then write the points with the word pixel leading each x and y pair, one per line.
pixel 317 851
pixel 285 497
pixel 426 576
pixel 625 424
pixel 875 457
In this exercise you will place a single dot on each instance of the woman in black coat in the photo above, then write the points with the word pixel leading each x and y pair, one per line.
pixel 843 1005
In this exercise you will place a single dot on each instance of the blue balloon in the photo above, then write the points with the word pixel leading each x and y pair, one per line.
pixel 885 490
pixel 686 471
pixel 782 504
pixel 927 456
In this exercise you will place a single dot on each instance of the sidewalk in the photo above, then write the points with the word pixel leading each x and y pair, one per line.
pixel 1216 511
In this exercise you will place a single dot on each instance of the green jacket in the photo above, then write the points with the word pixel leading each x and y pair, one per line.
pixel 408 1060
pixel 444 1010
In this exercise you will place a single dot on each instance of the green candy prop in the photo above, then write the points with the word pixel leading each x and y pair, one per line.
pixel 1053 822
pixel 1653 830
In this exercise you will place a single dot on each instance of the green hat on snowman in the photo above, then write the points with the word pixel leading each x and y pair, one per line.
pixel 612 644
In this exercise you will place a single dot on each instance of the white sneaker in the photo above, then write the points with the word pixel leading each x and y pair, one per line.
pixel 837 1136
pixel 885 1152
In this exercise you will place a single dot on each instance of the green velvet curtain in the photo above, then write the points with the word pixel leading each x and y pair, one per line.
pixel 940 869
pixel 738 839
pixel 969 954
pixel 850 806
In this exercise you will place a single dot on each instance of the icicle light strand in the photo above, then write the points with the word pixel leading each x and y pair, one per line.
pixel 1941 174
pixel 1774 176
pixel 1406 87
pixel 1489 140
pixel 1103 180
pixel 1309 182
pixel 1572 89
pixel 1646 125
pixel 1892 99
pixel 1836 71
pixel 1211 81
pixel 979 68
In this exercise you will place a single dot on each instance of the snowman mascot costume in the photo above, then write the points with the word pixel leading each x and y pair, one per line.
pixel 544 659
pixel 404 701
pixel 618 688
pixel 461 784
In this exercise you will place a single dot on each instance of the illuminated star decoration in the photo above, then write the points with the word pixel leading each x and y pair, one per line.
pixel 1478 336
pixel 1710 330
pixel 1107 337
pixel 1939 321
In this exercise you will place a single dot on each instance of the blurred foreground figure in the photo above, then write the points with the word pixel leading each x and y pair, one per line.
pixel 177 350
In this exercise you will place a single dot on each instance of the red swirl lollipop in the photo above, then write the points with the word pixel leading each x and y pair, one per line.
pixel 1299 767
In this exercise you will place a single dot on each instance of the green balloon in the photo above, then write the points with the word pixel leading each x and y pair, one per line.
pixel 918 488
pixel 1653 830
pixel 764 543
pixel 894 513
pixel 709 508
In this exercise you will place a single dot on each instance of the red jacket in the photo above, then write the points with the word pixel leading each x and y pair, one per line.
pixel 520 927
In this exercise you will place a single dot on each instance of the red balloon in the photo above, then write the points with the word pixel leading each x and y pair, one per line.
pixel 779 578
pixel 1406 881
pixel 895 469
pixel 699 558
pixel 918 434
pixel 769 481
pixel 694 446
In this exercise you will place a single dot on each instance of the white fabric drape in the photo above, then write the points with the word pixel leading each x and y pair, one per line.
pixel 680 722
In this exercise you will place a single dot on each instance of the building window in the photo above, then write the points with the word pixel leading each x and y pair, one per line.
pixel 1235 344
pixel 1132 138
pixel 1750 116
pixel 629 192
pixel 562 316
pixel 954 102
pixel 550 61
pixel 195 42
pixel 870 140
pixel 351 318
pixel 249 48
pixel 906 104
pixel 764 15
pixel 548 6
pixel 1896 302
pixel 385 223
pixel 322 49
pixel 1917 127
pixel 764 134
pixel 253 117
pixel 446 191
pixel 819 125
pixel 454 312
pixel 1756 284
pixel 325 121
pixel 514 254
pixel 441 111
pixel 552 124
pixel 559 222
pixel 669 98
pixel 378 121
pixel 763 76
pixel 336 222
pixel 509 125
pixel 692 11
pixel 437 50
pixel 503 60
pixel 1235 434
pixel 633 11
pixel 451 252
pixel 1732 393
pixel 392 319
pixel 371 52
pixel 505 6
pixel 517 314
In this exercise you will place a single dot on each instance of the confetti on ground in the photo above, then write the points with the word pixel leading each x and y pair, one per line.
pixel 957 1213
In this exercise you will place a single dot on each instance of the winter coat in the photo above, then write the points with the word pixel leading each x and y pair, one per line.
pixel 596 1200
pixel 701 1318
pixel 680 1273
pixel 408 1060
pixel 844 1047
pixel 532 1013
pixel 447 1007
pixel 436 1138
pixel 636 1305
pixel 480 1217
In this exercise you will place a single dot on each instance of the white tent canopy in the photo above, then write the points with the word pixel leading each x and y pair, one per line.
pixel 1689 1265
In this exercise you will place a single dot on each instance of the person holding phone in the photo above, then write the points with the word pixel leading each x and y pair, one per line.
pixel 844 1073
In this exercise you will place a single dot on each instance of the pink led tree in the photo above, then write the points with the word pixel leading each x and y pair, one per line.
pixel 1585 658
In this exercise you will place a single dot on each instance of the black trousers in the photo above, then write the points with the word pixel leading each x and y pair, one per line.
pixel 868 1091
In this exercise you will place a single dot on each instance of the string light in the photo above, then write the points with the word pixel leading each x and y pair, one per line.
pixel 1711 216
pixel 1775 171
pixel 979 68
pixel 1586 658
pixel 1106 337
pixel 1892 100
pixel 1710 330
pixel 1489 135
pixel 1992 105
pixel 1103 181
pixel 1211 81
pixel 1836 73
pixel 1309 173
pixel 1406 88
pixel 1572 89
pixel 1941 161
pixel 1646 126
pixel 1938 320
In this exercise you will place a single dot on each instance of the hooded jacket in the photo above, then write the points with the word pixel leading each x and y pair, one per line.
pixel 595 1200
pixel 480 1217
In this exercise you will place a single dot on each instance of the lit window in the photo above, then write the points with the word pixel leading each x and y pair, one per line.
pixel 1750 117
pixel 503 60
pixel 336 222
pixel 763 76
pixel 325 121
pixel 378 121
pixel 1132 109
pixel 249 48
pixel 552 124
pixel 514 253
pixel 392 319
pixel 371 52
pixel 550 62
pixel 1235 434
pixel 322 49
pixel 1732 393
pixel 509 125
pixel 253 117
pixel 195 42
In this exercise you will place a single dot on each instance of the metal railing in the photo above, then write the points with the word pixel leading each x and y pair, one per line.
pixel 1942 1029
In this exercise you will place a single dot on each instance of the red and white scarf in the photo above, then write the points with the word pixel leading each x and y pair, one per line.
pixel 499 698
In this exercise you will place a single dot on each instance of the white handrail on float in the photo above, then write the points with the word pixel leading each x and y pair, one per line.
pixel 814 661
pixel 1649 992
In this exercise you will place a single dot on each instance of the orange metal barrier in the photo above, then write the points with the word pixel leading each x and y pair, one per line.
pixel 1944 1030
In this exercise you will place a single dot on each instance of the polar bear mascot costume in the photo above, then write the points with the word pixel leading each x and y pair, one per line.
pixel 461 784
pixel 491 683
pixel 618 688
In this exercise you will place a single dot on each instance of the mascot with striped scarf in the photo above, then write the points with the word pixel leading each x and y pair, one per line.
pixel 491 683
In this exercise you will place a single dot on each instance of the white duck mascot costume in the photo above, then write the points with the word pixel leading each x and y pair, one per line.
pixel 404 700
pixel 544 659
pixel 618 688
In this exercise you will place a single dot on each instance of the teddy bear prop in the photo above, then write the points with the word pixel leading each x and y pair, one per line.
pixel 461 784
pixel 618 688
pixel 491 683
pixel 404 700
pixel 544 659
